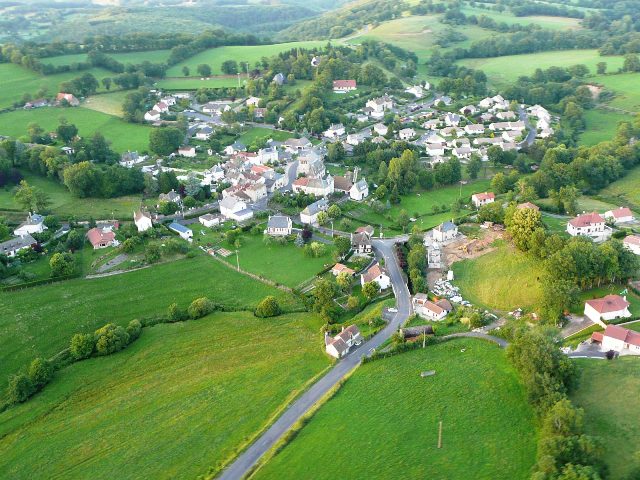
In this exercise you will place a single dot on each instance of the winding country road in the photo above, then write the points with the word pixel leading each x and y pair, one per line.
pixel 239 468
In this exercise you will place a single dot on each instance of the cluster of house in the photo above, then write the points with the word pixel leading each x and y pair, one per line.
pixel 161 107
pixel 594 226
pixel 61 98
pixel 614 337
pixel 23 238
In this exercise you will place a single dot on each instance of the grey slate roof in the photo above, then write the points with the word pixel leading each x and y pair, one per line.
pixel 278 221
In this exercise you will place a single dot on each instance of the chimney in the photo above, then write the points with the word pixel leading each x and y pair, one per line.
pixel 342 329
pixel 326 338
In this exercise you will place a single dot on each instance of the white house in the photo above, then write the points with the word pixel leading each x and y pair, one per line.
pixel 468 110
pixel 361 243
pixel 320 187
pixel 480 199
pixel 589 225
pixel 268 155
pixel 452 119
pixel 335 131
pixel 188 152
pixel 215 108
pixel 607 308
pixel 618 339
pixel 340 345
pixel 632 243
pixel 620 215
pixel 359 190
pixel 253 102
pixel 33 224
pixel 474 129
pixel 344 86
pixel 10 248
pixel 101 238
pixel 435 149
pixel 181 230
pixel 463 152
pixel 406 134
pixel 234 209
pixel 425 308
pixel 376 274
pixel 416 91
pixel 279 226
pixel 309 215
pixel 152 116
pixel 209 220
pixel 142 219
pixel 294 145
pixel 380 129
pixel 204 133
pixel 445 231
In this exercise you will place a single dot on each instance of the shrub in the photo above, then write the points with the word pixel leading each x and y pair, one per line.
pixel 175 313
pixel 152 253
pixel 268 307
pixel 40 373
pixel 200 307
pixel 110 339
pixel 82 345
pixel 134 329
pixel 20 388
pixel 62 264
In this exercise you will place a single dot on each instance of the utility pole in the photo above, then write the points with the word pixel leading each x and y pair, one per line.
pixel 237 260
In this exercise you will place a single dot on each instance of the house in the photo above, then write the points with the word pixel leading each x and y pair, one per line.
pixel 344 86
pixel 368 229
pixel 39 103
pixel 267 155
pixel 10 248
pixel 279 226
pixel 101 238
pixel 589 225
pixel 204 133
pixel 519 125
pixel 343 183
pixel 380 129
pixel 445 231
pixel 406 134
pixel 234 209
pixel 463 152
pixel 607 308
pixel 129 159
pixel 235 148
pixel 152 116
pixel 209 220
pixel 161 107
pixel 435 149
pixel 320 187
pixel 142 219
pixel 215 108
pixel 253 102
pixel 67 97
pixel 620 215
pixel 340 345
pixel 361 243
pixel 359 190
pixel 309 215
pixel 528 205
pixel 416 91
pixel 468 110
pixel 452 119
pixel 33 224
pixel 508 115
pixel 259 112
pixel 618 339
pixel 357 138
pixel 172 196
pixel 376 274
pixel 335 131
pixel 425 308
pixel 188 152
pixel 474 129
pixel 431 124
pixel 184 232
pixel 377 106
pixel 632 243
pixel 294 145
pixel 339 268
pixel 480 199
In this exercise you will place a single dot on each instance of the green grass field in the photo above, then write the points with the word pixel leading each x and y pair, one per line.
pixel 153 56
pixel 191 83
pixel 503 70
pixel 65 205
pixel 503 279
pixel 254 133
pixel 123 136
pixel 626 87
pixel 625 191
pixel 109 103
pixel 601 125
pixel 551 23
pixel 17 80
pixel 608 392
pixel 41 320
pixel 214 57
pixel 383 423
pixel 179 400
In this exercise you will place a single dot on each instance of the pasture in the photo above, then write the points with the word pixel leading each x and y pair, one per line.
pixel 504 70
pixel 66 205
pixel 257 133
pixel 109 103
pixel 122 136
pixel 601 125
pixel 214 57
pixel 40 321
pixel 503 279
pixel 608 393
pixel 383 423
pixel 179 400
pixel 17 81
pixel 193 83
pixel 626 87
pixel 625 191
pixel 551 23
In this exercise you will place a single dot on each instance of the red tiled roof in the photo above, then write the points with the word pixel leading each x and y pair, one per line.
pixel 622 334
pixel 484 196
pixel 344 84
pixel 622 212
pixel 632 240
pixel 374 272
pixel 586 220
pixel 338 267
pixel 97 236
pixel 608 304
pixel 596 337
pixel 301 182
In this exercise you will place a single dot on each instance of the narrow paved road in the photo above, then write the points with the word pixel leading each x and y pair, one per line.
pixel 249 457
pixel 531 132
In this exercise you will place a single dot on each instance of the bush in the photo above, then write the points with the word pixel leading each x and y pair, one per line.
pixel 152 253
pixel 20 388
pixel 40 373
pixel 110 339
pixel 62 264
pixel 82 346
pixel 200 307
pixel 134 329
pixel 268 307
pixel 175 313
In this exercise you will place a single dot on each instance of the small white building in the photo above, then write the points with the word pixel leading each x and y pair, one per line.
pixel 620 215
pixel 152 116
pixel 406 134
pixel 480 199
pixel 632 243
pixel 452 119
pixel 188 152
pixel 209 220
pixel 416 91
pixel 474 129
pixel 607 308
pixel 234 209
pixel 184 232
pixel 425 308
pixel 618 339
pixel 142 219
pixel 380 129
pixel 309 215
pixel 279 226
pixel 590 225
pixel 33 224
pixel 335 131
pixel 445 231
pixel 344 86
pixel 340 345
pixel 359 190
pixel 376 274
pixel 253 102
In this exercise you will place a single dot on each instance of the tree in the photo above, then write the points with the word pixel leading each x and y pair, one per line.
pixel 370 290
pixel 19 389
pixel 403 219
pixel 185 71
pixel 82 346
pixel 203 70
pixel 631 63
pixel 110 339
pixel 152 253
pixel 323 295
pixel 381 192
pixel 134 329
pixel 67 131
pixel 200 307
pixel 342 244
pixel 491 212
pixel 268 307
pixel 522 225
pixel 229 67
pixel 62 264
pixel 601 68
pixel 165 140
pixel 353 302
pixel 499 183
pixel 344 280
pixel 40 373
pixel 175 313
pixel 106 82
pixel 474 166
pixel 322 218
pixel 30 198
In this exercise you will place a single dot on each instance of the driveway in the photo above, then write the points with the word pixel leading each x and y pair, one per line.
pixel 347 364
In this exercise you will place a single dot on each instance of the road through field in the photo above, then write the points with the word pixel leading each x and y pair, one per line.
pixel 239 468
